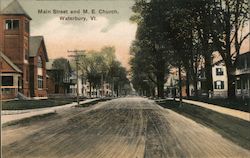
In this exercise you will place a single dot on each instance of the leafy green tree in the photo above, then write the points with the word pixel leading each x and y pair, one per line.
pixel 152 40
pixel 229 18
pixel 101 66
pixel 61 71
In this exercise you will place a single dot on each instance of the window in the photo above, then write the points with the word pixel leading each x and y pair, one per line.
pixel 26 54
pixel 219 71
pixel 11 24
pixel 219 84
pixel 248 61
pixel 27 26
pixel 39 62
pixel 40 82
pixel 7 81
pixel 244 83
pixel 238 83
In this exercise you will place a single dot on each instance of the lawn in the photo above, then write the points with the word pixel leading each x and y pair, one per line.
pixel 238 104
pixel 232 128
pixel 33 104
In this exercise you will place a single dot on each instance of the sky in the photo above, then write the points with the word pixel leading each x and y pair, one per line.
pixel 60 35
pixel 107 30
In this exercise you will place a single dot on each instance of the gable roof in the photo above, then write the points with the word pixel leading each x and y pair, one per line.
pixel 4 57
pixel 49 64
pixel 14 8
pixel 34 45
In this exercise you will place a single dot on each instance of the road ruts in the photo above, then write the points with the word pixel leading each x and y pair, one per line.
pixel 121 128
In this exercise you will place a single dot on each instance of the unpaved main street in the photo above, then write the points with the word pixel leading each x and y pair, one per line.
pixel 121 128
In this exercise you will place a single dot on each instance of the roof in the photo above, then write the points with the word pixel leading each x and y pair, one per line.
pixel 219 62
pixel 245 54
pixel 35 43
pixel 49 64
pixel 14 8
pixel 10 62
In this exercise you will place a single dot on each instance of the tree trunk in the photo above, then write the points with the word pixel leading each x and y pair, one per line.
pixel 90 89
pixel 180 84
pixel 231 83
pixel 194 76
pixel 187 83
pixel 160 82
pixel 160 86
pixel 208 73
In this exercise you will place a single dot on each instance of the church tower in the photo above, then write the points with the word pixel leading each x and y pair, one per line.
pixel 14 39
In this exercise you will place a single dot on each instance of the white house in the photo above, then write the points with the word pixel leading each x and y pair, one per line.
pixel 220 84
pixel 84 88
pixel 242 75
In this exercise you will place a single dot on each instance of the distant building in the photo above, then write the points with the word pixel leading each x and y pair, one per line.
pixel 84 88
pixel 24 57
pixel 171 86
pixel 242 75
pixel 58 81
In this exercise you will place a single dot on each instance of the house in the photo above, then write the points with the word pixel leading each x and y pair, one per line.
pixel 242 75
pixel 58 80
pixel 171 86
pixel 10 77
pixel 84 88
pixel 219 75
pixel 24 57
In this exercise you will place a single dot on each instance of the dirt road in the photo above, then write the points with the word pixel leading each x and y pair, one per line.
pixel 121 128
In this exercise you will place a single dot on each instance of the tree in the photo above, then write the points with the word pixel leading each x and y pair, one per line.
pixel 61 71
pixel 152 41
pixel 187 31
pixel 62 64
pixel 228 21
pixel 92 65
pixel 101 66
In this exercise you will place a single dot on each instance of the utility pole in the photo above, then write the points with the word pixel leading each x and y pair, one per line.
pixel 76 55
pixel 1 95
pixel 102 87
pixel 1 102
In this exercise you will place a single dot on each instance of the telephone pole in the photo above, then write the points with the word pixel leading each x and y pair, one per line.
pixel 1 102
pixel 76 55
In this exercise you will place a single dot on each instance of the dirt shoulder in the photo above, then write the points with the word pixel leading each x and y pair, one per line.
pixel 232 128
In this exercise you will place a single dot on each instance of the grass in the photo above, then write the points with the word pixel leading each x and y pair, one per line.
pixel 34 104
pixel 234 129
pixel 93 102
pixel 237 104
pixel 29 120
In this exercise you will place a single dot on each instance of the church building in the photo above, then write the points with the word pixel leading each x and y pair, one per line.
pixel 22 57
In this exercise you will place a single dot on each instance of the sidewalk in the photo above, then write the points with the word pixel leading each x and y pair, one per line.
pixel 13 115
pixel 235 113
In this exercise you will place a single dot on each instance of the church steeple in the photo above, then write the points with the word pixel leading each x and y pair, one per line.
pixel 14 8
